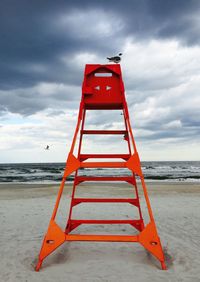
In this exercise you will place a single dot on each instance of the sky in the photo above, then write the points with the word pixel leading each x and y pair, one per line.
pixel 44 46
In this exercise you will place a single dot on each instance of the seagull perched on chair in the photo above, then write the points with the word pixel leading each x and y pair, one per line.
pixel 115 59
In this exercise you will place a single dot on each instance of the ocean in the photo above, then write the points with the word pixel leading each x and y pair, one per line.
pixel 47 173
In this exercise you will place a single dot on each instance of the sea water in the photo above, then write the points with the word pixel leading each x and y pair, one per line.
pixel 186 171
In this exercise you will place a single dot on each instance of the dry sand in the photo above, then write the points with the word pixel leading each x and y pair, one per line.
pixel 25 211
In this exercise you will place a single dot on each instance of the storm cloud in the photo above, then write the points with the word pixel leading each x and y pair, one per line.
pixel 36 35
pixel 44 46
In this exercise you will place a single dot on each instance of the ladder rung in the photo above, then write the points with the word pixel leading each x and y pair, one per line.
pixel 104 131
pixel 77 201
pixel 136 223
pixel 103 164
pixel 102 238
pixel 107 221
pixel 84 157
pixel 128 179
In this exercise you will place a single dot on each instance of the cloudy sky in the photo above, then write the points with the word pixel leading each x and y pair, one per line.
pixel 44 46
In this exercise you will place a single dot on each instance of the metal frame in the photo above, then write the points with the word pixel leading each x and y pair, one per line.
pixel 103 92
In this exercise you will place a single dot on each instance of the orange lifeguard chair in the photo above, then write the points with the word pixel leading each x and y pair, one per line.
pixel 103 89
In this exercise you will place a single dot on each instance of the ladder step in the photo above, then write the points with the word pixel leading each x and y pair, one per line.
pixel 104 131
pixel 107 221
pixel 102 238
pixel 77 201
pixel 84 157
pixel 103 164
pixel 128 179
pixel 74 223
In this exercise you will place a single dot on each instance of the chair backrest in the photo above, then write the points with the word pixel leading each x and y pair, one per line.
pixel 103 87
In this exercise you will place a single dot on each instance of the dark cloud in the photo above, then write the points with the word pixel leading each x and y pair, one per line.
pixel 40 42
pixel 33 39
pixel 45 95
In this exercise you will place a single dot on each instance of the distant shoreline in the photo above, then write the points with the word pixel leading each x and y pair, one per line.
pixel 69 183
pixel 52 173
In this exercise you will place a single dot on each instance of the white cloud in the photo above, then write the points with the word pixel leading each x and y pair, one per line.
pixel 173 124
pixel 162 80
pixel 159 64
pixel 79 60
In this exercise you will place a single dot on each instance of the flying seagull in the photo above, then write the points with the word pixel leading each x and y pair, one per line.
pixel 115 59
pixel 47 147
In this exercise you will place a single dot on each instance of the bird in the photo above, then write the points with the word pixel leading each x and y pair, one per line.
pixel 115 59
pixel 47 147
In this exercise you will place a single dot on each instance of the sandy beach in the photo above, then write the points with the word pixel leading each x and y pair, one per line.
pixel 26 209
